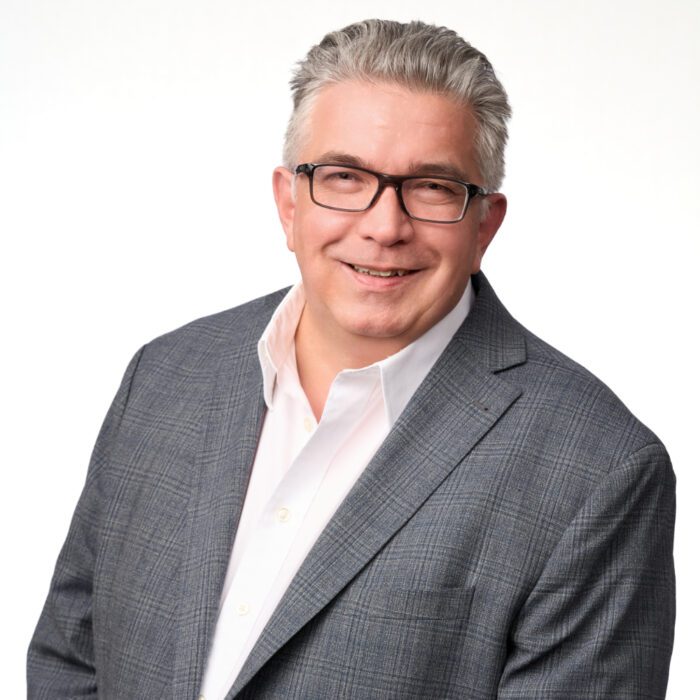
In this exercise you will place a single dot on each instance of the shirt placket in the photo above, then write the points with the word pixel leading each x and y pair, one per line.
pixel 284 513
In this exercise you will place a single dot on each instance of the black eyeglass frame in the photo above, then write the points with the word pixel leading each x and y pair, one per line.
pixel 395 181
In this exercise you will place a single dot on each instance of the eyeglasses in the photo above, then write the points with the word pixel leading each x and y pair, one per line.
pixel 438 200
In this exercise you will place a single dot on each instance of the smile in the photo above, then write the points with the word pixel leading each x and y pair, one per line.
pixel 380 273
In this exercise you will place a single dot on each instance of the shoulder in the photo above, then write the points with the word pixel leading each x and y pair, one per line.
pixel 200 346
pixel 568 438
pixel 238 321
pixel 569 407
pixel 564 411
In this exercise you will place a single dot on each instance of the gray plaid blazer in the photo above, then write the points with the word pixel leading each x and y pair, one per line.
pixel 511 538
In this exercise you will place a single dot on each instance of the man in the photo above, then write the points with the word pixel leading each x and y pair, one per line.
pixel 377 485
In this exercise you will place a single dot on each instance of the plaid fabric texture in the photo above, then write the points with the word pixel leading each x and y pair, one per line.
pixel 512 537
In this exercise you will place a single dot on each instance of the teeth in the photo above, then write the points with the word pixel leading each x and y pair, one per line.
pixel 380 273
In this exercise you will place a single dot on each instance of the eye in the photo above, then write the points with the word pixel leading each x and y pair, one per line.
pixel 432 185
pixel 343 175
pixel 440 186
pixel 434 190
pixel 343 178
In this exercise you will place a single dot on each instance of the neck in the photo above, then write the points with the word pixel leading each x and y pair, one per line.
pixel 321 356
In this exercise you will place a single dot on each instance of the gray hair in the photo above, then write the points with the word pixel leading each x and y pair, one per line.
pixel 414 55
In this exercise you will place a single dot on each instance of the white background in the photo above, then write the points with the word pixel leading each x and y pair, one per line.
pixel 137 140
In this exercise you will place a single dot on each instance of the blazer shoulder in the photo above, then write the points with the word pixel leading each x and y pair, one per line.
pixel 573 397
pixel 201 344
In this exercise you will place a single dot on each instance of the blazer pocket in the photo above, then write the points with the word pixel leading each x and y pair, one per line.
pixel 422 604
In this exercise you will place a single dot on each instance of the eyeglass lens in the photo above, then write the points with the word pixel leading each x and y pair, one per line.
pixel 433 198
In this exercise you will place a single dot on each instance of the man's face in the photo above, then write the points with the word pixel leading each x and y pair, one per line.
pixel 396 131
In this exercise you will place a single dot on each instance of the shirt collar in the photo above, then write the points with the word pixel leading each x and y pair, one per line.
pixel 400 374
pixel 277 339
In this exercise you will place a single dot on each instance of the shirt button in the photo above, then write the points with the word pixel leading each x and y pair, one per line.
pixel 308 424
pixel 283 515
pixel 243 609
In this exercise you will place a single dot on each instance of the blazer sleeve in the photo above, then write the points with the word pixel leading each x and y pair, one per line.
pixel 61 657
pixel 599 621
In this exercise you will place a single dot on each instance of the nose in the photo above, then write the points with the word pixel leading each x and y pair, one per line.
pixel 386 222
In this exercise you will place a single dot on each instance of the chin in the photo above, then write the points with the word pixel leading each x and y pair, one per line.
pixel 377 328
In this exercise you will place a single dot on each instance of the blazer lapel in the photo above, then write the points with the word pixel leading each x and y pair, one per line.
pixel 231 426
pixel 456 405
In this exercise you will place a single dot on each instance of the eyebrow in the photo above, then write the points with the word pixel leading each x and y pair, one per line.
pixel 414 168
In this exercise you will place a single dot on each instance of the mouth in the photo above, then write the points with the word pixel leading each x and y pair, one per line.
pixel 372 272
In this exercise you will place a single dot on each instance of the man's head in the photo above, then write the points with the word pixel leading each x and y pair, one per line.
pixel 381 275
pixel 416 56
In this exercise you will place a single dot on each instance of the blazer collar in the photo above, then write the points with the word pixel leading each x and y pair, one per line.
pixel 490 335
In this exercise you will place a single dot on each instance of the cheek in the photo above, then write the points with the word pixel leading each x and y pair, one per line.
pixel 298 234
pixel 456 259
pixel 463 251
pixel 315 233
pixel 307 243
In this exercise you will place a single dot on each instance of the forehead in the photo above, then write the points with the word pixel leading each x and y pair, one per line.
pixel 391 128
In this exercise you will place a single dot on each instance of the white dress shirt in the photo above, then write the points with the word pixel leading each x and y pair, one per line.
pixel 303 470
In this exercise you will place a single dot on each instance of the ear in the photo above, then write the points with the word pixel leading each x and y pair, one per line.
pixel 489 225
pixel 283 190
